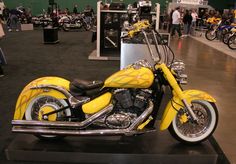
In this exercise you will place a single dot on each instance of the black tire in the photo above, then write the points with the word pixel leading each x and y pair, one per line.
pixel 226 37
pixel 192 133
pixel 210 36
pixel 232 42
pixel 65 28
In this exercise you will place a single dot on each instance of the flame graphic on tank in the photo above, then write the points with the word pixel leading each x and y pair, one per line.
pixel 131 78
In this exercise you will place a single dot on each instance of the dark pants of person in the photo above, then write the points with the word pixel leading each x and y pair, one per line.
pixel 1 70
pixel 13 21
pixel 187 28
pixel 1 18
pixel 169 27
pixel 177 28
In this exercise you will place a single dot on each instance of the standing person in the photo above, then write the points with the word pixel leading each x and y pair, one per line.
pixel 170 20
pixel 1 35
pixel 14 20
pixel 2 6
pixel 194 20
pixel 75 9
pixel 187 20
pixel 176 20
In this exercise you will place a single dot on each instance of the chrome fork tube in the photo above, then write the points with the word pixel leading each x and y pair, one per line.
pixel 190 111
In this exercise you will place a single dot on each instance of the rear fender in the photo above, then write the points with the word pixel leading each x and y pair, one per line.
pixel 176 104
pixel 28 93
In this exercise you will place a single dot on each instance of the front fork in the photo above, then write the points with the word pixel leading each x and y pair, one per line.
pixel 176 88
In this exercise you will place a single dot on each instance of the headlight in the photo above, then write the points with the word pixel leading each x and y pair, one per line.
pixel 178 67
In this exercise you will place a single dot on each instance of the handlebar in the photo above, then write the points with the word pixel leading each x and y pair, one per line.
pixel 144 27
pixel 136 28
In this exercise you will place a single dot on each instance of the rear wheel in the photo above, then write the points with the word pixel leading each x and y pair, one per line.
pixel 187 131
pixel 211 35
pixel 44 104
pixel 232 42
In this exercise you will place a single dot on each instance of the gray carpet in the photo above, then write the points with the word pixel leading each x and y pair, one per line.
pixel 28 58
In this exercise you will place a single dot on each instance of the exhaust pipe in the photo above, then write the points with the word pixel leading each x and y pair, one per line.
pixel 70 128
pixel 61 124
pixel 107 132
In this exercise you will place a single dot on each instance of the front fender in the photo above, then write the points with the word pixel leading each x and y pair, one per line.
pixel 27 94
pixel 175 104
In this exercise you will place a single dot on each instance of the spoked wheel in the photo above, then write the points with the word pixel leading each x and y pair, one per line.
pixel 45 104
pixel 211 35
pixel 226 37
pixel 187 131
pixel 232 42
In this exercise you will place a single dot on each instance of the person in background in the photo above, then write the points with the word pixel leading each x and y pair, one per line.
pixel 212 13
pixel 187 20
pixel 176 20
pixel 2 6
pixel 194 19
pixel 75 9
pixel 67 11
pixel 1 35
pixel 14 20
pixel 170 21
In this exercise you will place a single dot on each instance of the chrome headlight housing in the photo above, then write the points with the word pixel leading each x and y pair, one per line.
pixel 178 68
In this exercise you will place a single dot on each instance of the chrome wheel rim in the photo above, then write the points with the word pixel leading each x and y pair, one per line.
pixel 192 132
pixel 46 101
pixel 232 42
pixel 211 35
pixel 32 110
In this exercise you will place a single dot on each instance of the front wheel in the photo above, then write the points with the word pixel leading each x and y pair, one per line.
pixel 211 35
pixel 191 132
pixel 232 42
pixel 226 37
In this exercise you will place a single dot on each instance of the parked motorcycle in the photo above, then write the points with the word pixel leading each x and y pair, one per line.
pixel 41 20
pixel 72 22
pixel 217 30
pixel 126 103
pixel 227 35
pixel 232 40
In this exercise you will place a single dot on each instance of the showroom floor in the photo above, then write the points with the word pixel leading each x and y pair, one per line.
pixel 208 69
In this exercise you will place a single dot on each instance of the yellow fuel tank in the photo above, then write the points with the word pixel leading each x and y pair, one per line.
pixel 131 78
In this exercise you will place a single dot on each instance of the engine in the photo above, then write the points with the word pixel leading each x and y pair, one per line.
pixel 129 104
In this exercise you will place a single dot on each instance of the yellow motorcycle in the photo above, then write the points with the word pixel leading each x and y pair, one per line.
pixel 126 103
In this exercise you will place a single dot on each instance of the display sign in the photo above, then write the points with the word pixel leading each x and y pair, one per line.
pixel 192 2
